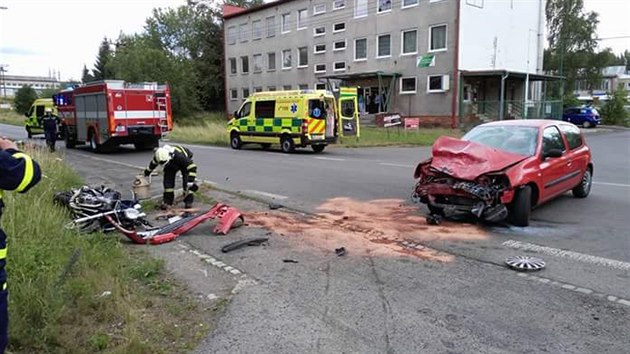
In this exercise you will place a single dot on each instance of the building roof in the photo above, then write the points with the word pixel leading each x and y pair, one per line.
pixel 29 78
pixel 614 70
pixel 521 75
pixel 232 11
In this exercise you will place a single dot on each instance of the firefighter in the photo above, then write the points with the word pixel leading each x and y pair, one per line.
pixel 175 158
pixel 50 123
pixel 18 172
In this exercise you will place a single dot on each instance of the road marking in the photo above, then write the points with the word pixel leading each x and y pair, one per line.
pixel 116 162
pixel 568 254
pixel 270 195
pixel 612 184
pixel 329 158
pixel 395 165
pixel 577 289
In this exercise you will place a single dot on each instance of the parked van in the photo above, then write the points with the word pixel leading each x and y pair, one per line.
pixel 297 118
pixel 35 113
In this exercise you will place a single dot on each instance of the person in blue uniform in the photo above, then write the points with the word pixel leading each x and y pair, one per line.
pixel 18 172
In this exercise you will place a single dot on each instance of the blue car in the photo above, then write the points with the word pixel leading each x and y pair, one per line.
pixel 582 116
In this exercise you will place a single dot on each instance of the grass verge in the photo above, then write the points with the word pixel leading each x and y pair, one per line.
pixel 76 293
pixel 8 116
pixel 211 130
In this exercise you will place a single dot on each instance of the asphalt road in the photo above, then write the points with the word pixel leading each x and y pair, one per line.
pixel 578 304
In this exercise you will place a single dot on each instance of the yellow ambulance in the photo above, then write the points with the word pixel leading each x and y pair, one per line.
pixel 297 118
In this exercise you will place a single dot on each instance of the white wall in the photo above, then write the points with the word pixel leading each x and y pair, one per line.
pixel 499 35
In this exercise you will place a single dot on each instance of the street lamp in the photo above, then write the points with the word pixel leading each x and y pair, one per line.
pixel 3 67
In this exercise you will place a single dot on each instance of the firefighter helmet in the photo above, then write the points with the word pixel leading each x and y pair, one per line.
pixel 164 154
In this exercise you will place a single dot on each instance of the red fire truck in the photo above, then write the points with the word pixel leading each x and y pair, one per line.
pixel 105 114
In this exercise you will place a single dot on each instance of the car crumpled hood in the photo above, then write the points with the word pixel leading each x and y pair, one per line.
pixel 468 160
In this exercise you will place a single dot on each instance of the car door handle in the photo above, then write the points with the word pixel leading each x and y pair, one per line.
pixel 570 163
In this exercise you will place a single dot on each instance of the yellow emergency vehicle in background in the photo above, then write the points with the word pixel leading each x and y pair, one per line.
pixel 297 118
pixel 33 121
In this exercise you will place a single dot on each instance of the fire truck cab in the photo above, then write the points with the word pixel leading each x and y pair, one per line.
pixel 106 114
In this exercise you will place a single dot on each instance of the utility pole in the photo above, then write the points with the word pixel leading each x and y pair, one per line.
pixel 3 70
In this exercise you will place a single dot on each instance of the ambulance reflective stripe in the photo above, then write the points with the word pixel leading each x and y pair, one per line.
pixel 270 125
pixel 347 91
pixel 316 126
pixel 28 171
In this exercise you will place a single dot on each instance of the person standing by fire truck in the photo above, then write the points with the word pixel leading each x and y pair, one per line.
pixel 175 159
pixel 50 122
pixel 18 172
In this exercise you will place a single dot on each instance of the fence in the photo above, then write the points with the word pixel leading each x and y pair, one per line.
pixel 477 112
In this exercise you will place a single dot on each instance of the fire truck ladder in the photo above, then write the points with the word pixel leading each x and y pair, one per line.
pixel 161 107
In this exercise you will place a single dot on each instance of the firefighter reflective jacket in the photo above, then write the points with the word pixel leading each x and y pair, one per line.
pixel 18 172
pixel 181 160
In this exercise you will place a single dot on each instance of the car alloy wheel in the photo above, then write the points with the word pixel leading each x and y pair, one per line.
pixel 584 188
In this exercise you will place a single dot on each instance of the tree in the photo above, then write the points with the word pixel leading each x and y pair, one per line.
pixel 571 36
pixel 24 98
pixel 48 93
pixel 101 70
pixel 613 111
pixel 86 76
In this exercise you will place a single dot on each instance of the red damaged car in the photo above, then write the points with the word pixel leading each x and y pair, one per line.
pixel 502 169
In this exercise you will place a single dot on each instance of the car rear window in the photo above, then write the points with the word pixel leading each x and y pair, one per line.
pixel 574 137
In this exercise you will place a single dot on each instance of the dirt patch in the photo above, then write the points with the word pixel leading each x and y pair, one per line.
pixel 389 223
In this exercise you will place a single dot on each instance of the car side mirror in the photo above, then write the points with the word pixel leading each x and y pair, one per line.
pixel 554 153
pixel 26 114
pixel 235 114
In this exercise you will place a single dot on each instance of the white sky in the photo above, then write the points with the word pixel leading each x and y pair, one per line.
pixel 62 35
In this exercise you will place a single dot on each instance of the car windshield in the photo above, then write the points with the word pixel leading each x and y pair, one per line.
pixel 514 139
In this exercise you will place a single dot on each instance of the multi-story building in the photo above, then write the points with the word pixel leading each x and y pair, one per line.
pixel 10 84
pixel 434 59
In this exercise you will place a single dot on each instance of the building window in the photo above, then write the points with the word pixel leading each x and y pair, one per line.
pixel 233 94
pixel 320 86
pixel 437 38
pixel 320 68
pixel 302 18
pixel 360 49
pixel 360 8
pixel 339 27
pixel 271 26
pixel 302 57
pixel 319 31
pixel 243 34
pixel 319 49
pixel 384 46
pixel 339 66
pixel 245 65
pixel 303 87
pixel 232 65
pixel 286 87
pixel 257 59
pixel 257 89
pixel 409 3
pixel 256 29
pixel 475 3
pixel 286 59
pixel 384 6
pixel 286 23
pixel 245 93
pixel 407 85
pixel 409 42
pixel 271 61
pixel 437 83
pixel 339 45
pixel 231 35
pixel 339 4
pixel 271 88
pixel 319 9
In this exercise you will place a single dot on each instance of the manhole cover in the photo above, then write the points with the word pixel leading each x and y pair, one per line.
pixel 525 263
